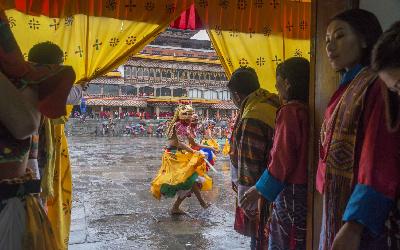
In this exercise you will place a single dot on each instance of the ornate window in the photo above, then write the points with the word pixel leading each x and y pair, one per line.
pixel 158 73
pixel 195 93
pixel 127 72
pixel 207 94
pixel 140 72
pixel 211 95
pixel 164 73
pixel 128 90
pixel 179 92
pixel 146 91
pixel 214 95
pixel 191 94
pixel 223 95
pixel 165 91
pixel 111 89
pixel 151 72
pixel 181 74
pixel 133 72
pixel 94 89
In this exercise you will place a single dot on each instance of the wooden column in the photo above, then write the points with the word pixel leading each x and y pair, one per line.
pixel 323 83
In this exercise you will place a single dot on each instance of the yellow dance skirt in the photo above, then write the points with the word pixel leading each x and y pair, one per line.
pixel 179 171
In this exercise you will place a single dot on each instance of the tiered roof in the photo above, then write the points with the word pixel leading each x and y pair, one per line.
pixel 173 49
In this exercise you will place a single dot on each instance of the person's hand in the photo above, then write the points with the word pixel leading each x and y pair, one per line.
pixel 348 237
pixel 212 149
pixel 250 197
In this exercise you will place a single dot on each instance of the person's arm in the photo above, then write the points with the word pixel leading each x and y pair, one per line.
pixel 285 153
pixel 199 145
pixel 75 95
pixel 291 129
pixel 185 147
pixel 182 133
pixel 18 112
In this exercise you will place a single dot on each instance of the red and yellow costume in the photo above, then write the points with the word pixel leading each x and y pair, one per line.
pixel 180 169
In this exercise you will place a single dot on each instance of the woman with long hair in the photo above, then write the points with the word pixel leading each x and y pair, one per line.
pixel 358 167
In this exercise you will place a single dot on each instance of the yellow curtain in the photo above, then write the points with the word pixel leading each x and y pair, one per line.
pixel 258 34
pixel 92 45
pixel 95 37
pixel 94 42
pixel 60 205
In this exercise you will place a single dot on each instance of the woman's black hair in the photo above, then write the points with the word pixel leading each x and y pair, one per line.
pixel 386 53
pixel 296 71
pixel 366 25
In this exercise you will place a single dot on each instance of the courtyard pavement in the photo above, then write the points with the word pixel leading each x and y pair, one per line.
pixel 113 207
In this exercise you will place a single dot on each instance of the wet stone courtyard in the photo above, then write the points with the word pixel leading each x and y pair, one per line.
pixel 114 209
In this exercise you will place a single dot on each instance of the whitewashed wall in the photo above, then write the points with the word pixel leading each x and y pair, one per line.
pixel 387 11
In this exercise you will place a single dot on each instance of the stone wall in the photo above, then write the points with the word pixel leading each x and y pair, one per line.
pixel 75 127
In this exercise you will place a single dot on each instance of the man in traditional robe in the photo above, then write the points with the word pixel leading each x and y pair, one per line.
pixel 251 142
